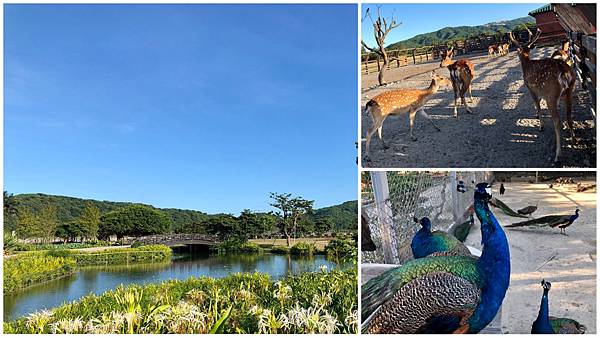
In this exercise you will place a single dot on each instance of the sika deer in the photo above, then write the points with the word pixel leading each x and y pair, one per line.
pixel 548 79
pixel 462 72
pixel 563 53
pixel 401 101
pixel 491 50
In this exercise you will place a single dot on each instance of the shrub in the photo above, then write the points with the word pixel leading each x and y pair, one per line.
pixel 28 269
pixel 342 249
pixel 303 249
pixel 233 245
pixel 142 254
pixel 280 249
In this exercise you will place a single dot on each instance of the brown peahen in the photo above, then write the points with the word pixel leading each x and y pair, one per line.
pixel 553 221
pixel 445 294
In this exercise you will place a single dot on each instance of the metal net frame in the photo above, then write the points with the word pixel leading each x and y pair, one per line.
pixel 390 200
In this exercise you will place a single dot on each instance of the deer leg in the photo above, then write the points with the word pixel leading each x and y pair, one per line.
pixel 568 103
pixel 538 110
pixel 553 105
pixel 454 87
pixel 412 114
pixel 377 124
pixel 422 111
pixel 463 91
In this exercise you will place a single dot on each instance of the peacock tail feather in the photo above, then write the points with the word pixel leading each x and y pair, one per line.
pixel 505 208
pixel 382 288
pixel 462 230
pixel 566 326
pixel 550 220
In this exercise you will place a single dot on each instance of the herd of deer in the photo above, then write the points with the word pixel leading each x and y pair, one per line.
pixel 501 49
pixel 548 79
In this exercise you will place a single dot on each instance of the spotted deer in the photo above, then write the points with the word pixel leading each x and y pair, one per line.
pixel 550 80
pixel 491 50
pixel 462 72
pixel 399 102
pixel 563 53
pixel 505 48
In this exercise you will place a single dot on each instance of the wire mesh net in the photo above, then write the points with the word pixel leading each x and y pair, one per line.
pixel 392 199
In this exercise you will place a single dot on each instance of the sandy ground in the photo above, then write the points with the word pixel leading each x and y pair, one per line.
pixel 568 262
pixel 320 243
pixel 502 132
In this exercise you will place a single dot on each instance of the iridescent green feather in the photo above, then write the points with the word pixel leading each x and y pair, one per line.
pixel 380 289
pixel 566 325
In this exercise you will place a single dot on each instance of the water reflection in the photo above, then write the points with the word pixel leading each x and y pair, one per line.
pixel 99 279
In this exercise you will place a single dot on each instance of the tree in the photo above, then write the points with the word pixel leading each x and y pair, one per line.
pixel 292 209
pixel 324 225
pixel 89 221
pixel 381 28
pixel 254 224
pixel 134 220
pixel 48 221
pixel 224 226
pixel 10 211
pixel 28 225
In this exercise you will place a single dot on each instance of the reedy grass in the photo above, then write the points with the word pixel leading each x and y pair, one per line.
pixel 319 302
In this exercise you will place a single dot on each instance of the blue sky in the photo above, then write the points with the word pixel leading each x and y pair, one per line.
pixel 424 18
pixel 205 107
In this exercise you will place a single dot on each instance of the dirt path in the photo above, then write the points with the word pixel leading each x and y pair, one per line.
pixel 502 132
pixel 568 262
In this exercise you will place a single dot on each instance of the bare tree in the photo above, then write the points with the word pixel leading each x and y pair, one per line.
pixel 381 28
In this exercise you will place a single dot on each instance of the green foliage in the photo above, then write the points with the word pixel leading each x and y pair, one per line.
pixel 234 245
pixel 322 302
pixel 142 254
pixel 341 217
pixel 280 249
pixel 291 211
pixel 342 249
pixel 134 220
pixel 459 33
pixel 10 243
pixel 28 269
pixel 303 249
pixel 65 246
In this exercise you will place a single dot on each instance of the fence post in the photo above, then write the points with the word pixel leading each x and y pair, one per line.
pixel 455 203
pixel 381 194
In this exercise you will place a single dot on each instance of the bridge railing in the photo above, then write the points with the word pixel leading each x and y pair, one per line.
pixel 157 239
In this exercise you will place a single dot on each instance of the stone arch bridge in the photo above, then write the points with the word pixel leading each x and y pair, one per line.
pixel 179 239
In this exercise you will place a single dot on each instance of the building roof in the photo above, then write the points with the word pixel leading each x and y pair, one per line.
pixel 543 9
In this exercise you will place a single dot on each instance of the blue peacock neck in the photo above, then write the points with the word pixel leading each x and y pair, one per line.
pixel 543 314
pixel 493 266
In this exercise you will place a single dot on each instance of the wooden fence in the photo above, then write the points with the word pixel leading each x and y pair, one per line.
pixel 371 62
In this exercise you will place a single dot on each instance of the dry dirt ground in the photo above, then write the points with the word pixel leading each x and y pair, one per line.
pixel 502 132
pixel 568 262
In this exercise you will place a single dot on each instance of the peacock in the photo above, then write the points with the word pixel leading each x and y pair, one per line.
pixel 425 242
pixel 496 203
pixel 546 324
pixel 553 221
pixel 366 243
pixel 446 294
pixel 528 210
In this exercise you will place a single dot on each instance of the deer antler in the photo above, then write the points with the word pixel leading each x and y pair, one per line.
pixel 532 41
pixel 513 40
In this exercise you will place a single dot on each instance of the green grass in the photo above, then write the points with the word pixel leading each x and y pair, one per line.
pixel 320 302
pixel 28 269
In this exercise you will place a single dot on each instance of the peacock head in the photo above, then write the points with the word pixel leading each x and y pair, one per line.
pixel 483 192
pixel 546 285
pixel 577 211
pixel 425 222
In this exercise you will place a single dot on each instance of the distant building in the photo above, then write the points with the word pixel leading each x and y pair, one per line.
pixel 547 21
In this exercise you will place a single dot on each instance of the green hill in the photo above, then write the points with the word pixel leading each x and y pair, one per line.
pixel 460 33
pixel 70 208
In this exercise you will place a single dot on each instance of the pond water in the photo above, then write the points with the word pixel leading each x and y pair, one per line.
pixel 98 279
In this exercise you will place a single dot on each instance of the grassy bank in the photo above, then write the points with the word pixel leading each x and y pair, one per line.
pixel 28 269
pixel 142 254
pixel 321 302
pixel 319 242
